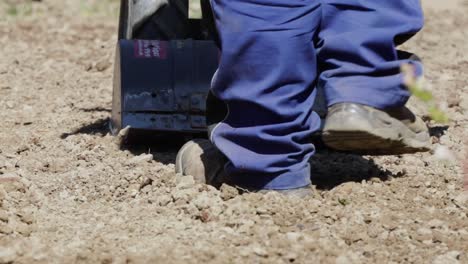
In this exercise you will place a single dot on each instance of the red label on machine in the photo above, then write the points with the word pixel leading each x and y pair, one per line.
pixel 150 49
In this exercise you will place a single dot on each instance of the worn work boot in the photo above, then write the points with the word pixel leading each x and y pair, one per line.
pixel 202 160
pixel 367 130
pixel 205 163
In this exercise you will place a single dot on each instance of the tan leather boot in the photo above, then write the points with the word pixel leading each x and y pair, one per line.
pixel 205 163
pixel 367 130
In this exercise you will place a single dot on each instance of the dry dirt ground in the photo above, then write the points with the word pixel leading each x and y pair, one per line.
pixel 69 194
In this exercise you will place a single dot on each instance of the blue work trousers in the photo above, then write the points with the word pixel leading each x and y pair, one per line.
pixel 274 53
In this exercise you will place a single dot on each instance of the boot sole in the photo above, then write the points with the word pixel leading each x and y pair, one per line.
pixel 372 132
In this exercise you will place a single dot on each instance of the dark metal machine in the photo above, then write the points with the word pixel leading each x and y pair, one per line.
pixel 163 68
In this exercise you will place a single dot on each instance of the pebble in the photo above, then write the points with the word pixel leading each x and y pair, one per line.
pixel 164 200
pixel 423 234
pixel 134 193
pixel 7 255
pixel 103 65
pixel 228 192
pixel 27 218
pixel 453 101
pixel 203 201
pixel 462 199
pixel 5 229
pixel 435 223
pixel 186 182
pixel 10 104
pixel 291 256
pixel 342 260
pixel 260 251
pixel 3 216
pixel 451 257
pixel 464 102
pixel 141 159
pixel 293 236
pixel 12 183
pixel 24 229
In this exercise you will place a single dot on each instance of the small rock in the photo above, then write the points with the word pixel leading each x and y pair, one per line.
pixel 228 192
pixel 293 236
pixel 185 182
pixel 12 183
pixel 423 234
pixel 375 180
pixel 164 200
pixel 10 104
pixel 462 199
pixel 453 101
pixel 3 216
pixel 5 229
pixel 7 255
pixel 24 229
pixel 438 236
pixel 291 256
pixel 390 223
pixel 22 149
pixel 203 201
pixel 452 257
pixel 205 216
pixel 464 102
pixel 103 65
pixel 88 67
pixel 435 223
pixel 260 251
pixel 133 192
pixel 342 260
pixel 25 217
pixel 141 159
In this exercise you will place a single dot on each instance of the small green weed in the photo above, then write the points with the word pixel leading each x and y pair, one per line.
pixel 416 86
pixel 343 201
pixel 12 10
pixel 16 10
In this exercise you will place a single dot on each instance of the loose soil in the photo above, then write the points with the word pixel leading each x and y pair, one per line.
pixel 70 194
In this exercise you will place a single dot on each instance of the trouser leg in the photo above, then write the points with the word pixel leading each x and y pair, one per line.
pixel 266 78
pixel 357 52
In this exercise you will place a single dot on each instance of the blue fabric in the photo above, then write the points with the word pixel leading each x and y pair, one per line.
pixel 274 54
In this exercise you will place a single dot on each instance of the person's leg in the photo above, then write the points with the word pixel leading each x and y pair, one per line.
pixel 266 78
pixel 360 74
pixel 357 50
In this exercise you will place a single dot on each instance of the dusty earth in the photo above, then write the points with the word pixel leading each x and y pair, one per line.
pixel 70 194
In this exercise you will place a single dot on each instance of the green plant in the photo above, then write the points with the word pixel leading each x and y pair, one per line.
pixel 343 201
pixel 16 10
pixel 12 10
pixel 416 86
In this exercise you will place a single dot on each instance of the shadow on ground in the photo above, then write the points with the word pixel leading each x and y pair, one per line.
pixel 329 168
pixel 438 131
pixel 163 145
pixel 99 127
